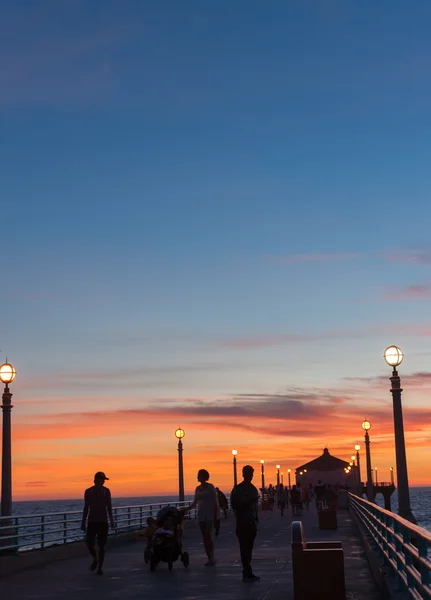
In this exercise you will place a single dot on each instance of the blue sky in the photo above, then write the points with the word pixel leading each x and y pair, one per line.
pixel 182 182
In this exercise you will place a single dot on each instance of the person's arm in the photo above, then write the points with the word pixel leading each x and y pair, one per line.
pixel 85 511
pixel 192 505
pixel 109 507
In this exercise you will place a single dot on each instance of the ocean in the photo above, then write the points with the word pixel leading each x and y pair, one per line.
pixel 420 502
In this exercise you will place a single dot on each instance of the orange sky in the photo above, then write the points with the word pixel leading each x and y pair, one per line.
pixel 59 443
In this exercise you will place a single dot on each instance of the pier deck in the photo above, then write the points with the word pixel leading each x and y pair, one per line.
pixel 126 577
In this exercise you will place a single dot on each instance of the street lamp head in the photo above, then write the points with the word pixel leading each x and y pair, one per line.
pixel 305 470
pixel 300 472
pixel 391 468
pixel 357 447
pixel 179 433
pixel 262 462
pixel 366 425
pixel 277 466
pixel 289 470
pixel 7 373
pixel 353 457
pixel 393 356
pixel 351 464
pixel 375 468
pixel 234 452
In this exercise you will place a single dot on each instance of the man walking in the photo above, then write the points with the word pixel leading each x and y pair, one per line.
pixel 244 498
pixel 98 506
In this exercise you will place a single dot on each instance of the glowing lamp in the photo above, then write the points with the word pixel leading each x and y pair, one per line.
pixel 357 447
pixel 7 373
pixel 366 425
pixel 262 462
pixel 179 433
pixel 277 466
pixel 234 452
pixel 393 356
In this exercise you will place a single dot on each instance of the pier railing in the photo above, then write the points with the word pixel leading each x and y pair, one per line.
pixel 30 532
pixel 404 547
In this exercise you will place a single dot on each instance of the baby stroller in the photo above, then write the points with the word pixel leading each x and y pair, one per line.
pixel 166 545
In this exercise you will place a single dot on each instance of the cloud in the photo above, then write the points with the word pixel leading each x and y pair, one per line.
pixel 36 483
pixel 409 292
pixel 318 257
pixel 419 256
pixel 267 340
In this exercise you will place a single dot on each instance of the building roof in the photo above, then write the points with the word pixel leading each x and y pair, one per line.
pixel 325 462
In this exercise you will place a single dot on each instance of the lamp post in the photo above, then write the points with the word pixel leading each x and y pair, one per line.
pixel 282 478
pixel 262 470
pixel 7 375
pixel 366 426
pixel 375 472
pixel 392 475
pixel 288 475
pixel 179 434
pixel 394 357
pixel 358 464
pixel 235 477
pixel 278 475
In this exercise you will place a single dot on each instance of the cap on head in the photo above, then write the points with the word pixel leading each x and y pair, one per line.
pixel 100 475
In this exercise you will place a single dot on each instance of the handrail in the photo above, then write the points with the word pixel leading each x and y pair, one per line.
pixel 404 547
pixel 29 532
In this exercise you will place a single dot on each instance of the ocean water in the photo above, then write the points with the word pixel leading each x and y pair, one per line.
pixel 420 501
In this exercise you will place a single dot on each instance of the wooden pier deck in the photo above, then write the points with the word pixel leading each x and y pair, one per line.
pixel 126 577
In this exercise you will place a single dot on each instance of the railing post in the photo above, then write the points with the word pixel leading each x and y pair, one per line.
pixel 128 519
pixel 140 517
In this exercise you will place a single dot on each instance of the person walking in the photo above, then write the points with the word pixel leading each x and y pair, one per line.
pixel 283 497
pixel 208 512
pixel 97 507
pixel 244 499
pixel 223 503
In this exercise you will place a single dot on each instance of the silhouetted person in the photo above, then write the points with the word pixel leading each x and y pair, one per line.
pixel 222 500
pixel 208 512
pixel 319 490
pixel 295 500
pixel 282 496
pixel 244 498
pixel 98 506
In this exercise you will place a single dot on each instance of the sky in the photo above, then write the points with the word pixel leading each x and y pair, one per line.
pixel 215 215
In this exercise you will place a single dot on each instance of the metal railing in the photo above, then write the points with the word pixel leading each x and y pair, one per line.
pixel 404 547
pixel 30 532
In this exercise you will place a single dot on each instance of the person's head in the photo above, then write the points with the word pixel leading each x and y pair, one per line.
pixel 203 475
pixel 319 482
pixel 247 473
pixel 150 521
pixel 100 478
pixel 217 490
pixel 294 486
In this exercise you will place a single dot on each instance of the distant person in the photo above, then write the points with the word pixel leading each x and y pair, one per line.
pixel 319 491
pixel 244 500
pixel 222 501
pixel 295 500
pixel 97 507
pixel 283 498
pixel 271 496
pixel 208 512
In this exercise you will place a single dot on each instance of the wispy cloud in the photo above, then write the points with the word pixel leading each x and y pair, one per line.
pixel 317 257
pixel 409 292
pixel 267 340
pixel 419 256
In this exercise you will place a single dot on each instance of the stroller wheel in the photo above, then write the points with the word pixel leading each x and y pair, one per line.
pixel 170 566
pixel 153 564
pixel 186 559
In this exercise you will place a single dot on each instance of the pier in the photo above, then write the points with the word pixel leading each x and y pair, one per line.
pixel 126 575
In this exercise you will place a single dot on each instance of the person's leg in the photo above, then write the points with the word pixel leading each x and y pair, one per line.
pixel 217 526
pixel 206 528
pixel 102 538
pixel 90 541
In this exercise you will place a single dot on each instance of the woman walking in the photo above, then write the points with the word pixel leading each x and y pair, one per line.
pixel 208 512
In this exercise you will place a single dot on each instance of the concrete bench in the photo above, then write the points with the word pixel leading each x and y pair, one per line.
pixel 318 568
